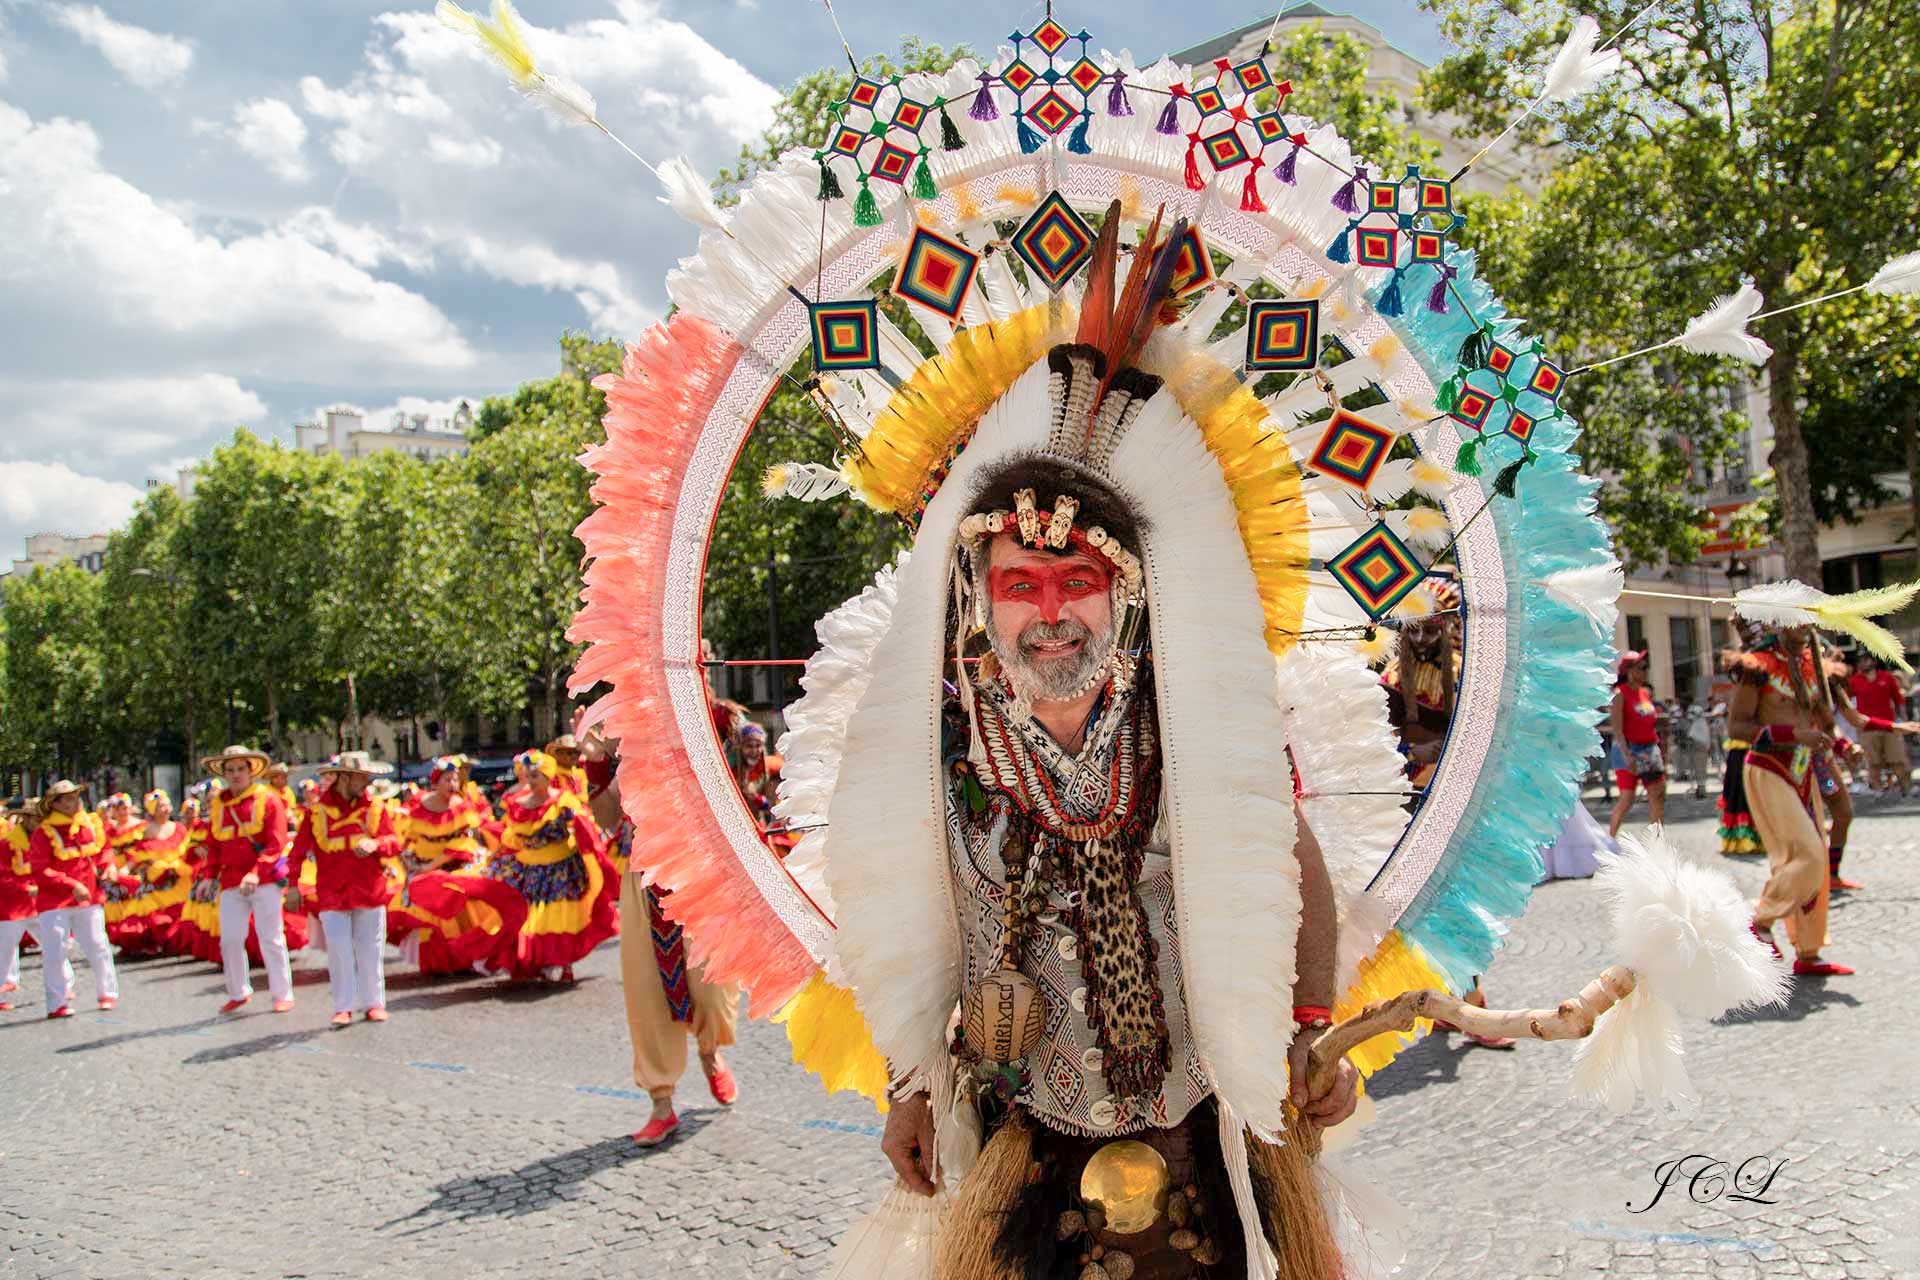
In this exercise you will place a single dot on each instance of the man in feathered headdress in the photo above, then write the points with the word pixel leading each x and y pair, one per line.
pixel 1078 1107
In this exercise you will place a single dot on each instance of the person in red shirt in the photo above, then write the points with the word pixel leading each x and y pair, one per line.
pixel 349 833
pixel 68 855
pixel 246 843
pixel 19 893
pixel 1879 697
pixel 1636 755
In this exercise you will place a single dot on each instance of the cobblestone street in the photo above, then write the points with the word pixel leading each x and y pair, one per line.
pixel 483 1131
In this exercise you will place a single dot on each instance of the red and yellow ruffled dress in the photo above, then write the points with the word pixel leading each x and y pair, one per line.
pixel 555 858
pixel 117 890
pixel 161 881
pixel 197 930
pixel 450 916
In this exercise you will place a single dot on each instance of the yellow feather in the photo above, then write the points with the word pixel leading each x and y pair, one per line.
pixel 1383 351
pixel 509 42
pixel 935 411
pixel 966 207
pixel 1871 603
pixel 1378 648
pixel 1394 967
pixel 1879 641
pixel 830 1038
pixel 773 481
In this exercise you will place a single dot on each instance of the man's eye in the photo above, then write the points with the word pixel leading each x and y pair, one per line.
pixel 1019 586
pixel 1080 584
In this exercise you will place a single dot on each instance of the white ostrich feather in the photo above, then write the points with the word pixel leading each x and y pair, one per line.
pixel 1424 526
pixel 1682 927
pixel 1432 480
pixel 1593 590
pixel 1721 330
pixel 1779 604
pixel 1899 275
pixel 688 194
pixel 803 481
pixel 1577 67
pixel 564 98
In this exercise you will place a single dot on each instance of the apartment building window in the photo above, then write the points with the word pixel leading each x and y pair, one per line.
pixel 1684 636
pixel 1636 633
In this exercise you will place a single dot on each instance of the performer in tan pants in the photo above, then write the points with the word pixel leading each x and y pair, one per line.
pixel 668 998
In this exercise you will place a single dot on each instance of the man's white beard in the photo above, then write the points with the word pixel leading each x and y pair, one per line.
pixel 1036 679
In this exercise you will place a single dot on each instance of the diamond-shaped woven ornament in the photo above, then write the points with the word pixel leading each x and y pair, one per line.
pixel 1283 334
pixel 846 335
pixel 936 272
pixel 1055 242
pixel 1352 450
pixel 1377 570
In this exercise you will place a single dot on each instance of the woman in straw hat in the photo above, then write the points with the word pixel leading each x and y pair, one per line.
pixel 154 869
pixel 247 845
pixel 451 916
pixel 69 854
pixel 348 834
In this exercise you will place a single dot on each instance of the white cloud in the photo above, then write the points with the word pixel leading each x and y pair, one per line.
pixel 47 497
pixel 149 59
pixel 365 246
pixel 85 419
pixel 485 180
pixel 274 134
pixel 90 256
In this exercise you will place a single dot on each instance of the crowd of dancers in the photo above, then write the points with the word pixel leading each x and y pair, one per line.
pixel 249 870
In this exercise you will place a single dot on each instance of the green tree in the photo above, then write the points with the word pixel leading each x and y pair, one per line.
pixel 1739 140
pixel 1329 77
pixel 162 699
pixel 257 550
pixel 53 669
pixel 517 577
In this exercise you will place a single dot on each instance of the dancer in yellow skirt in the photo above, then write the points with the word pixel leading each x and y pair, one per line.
pixel 117 887
pixel 155 867
pixel 553 855
pixel 451 916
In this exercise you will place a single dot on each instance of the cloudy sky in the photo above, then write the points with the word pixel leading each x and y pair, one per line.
pixel 223 212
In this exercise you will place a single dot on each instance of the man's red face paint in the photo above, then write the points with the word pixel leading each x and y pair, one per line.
pixel 1048 585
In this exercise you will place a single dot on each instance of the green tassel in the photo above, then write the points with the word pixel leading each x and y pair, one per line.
pixel 950 139
pixel 1479 344
pixel 923 188
pixel 1448 395
pixel 866 209
pixel 829 184
pixel 1509 474
pixel 1467 462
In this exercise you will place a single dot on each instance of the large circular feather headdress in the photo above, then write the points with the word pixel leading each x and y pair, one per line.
pixel 1277 555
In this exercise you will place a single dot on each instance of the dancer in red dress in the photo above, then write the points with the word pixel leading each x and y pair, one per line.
pixel 554 856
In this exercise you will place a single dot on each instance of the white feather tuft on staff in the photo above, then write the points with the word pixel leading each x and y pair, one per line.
pixel 1577 68
pixel 1779 604
pixel 1682 927
pixel 805 481
pixel 1899 275
pixel 1425 526
pixel 1593 590
pixel 1432 480
pixel 688 194
pixel 1721 330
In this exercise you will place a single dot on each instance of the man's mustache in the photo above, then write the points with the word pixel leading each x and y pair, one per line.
pixel 1053 633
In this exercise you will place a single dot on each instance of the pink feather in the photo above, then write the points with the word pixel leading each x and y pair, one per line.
pixel 655 406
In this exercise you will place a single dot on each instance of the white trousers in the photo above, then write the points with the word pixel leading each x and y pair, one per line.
pixel 10 933
pixel 355 958
pixel 88 927
pixel 262 908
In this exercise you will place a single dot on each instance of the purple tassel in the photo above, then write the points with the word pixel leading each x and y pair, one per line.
pixel 1346 198
pixel 1169 122
pixel 984 107
pixel 1284 170
pixel 1437 296
pixel 1117 102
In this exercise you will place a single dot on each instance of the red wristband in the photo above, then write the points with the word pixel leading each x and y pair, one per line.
pixel 1876 725
pixel 1780 734
pixel 1311 1013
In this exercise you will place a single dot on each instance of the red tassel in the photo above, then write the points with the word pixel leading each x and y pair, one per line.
pixel 1250 201
pixel 1193 164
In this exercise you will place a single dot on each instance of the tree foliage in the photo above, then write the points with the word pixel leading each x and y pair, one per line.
pixel 1740 140
pixel 54 703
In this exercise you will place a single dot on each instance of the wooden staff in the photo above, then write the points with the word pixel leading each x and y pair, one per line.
pixel 1571 1020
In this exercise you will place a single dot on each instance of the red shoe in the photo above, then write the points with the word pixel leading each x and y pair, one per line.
pixel 1839 884
pixel 233 1006
pixel 1766 935
pixel 566 974
pixel 657 1131
pixel 108 1002
pixel 726 1091
pixel 1820 969
pixel 342 1019
pixel 6 1006
pixel 64 1011
pixel 283 1006
pixel 376 1014
pixel 8 986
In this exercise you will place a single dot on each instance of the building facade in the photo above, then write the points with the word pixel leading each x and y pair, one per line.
pixel 344 431
pixel 45 550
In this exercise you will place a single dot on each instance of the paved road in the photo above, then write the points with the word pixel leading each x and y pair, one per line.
pixel 483 1132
